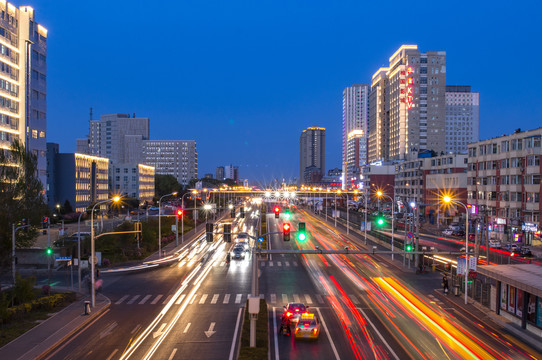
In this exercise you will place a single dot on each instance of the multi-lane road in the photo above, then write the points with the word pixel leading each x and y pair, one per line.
pixel 192 309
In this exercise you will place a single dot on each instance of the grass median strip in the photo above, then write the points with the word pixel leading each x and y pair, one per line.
pixel 262 343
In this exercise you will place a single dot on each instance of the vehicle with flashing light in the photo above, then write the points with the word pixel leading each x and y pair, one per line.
pixel 308 327
pixel 294 311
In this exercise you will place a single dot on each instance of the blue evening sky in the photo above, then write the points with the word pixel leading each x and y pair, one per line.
pixel 244 78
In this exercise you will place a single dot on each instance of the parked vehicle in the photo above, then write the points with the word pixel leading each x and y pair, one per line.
pixel 459 233
pixel 447 232
pixel 494 244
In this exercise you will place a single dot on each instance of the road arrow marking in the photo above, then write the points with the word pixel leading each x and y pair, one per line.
pixel 211 331
pixel 159 332
pixel 108 330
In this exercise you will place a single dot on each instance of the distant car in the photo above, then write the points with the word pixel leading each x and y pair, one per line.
pixel 472 236
pixel 238 254
pixel 294 311
pixel 494 244
pixel 463 249
pixel 460 233
pixel 308 327
pixel 525 251
pixel 511 247
pixel 447 232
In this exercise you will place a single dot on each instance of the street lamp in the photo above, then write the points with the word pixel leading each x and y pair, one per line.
pixel 160 223
pixel 447 199
pixel 207 207
pixel 92 251
pixel 380 194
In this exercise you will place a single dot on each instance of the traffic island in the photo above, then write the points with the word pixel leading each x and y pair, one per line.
pixel 262 343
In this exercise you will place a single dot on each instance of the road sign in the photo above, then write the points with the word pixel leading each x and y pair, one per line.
pixel 473 261
pixel 409 235
pixel 461 266
pixel 63 258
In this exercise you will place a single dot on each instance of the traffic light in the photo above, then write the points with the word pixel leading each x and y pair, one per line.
pixel 287 214
pixel 408 247
pixel 179 214
pixel 301 233
pixel 242 211
pixel 49 251
pixel 45 222
pixel 227 232
pixel 380 220
pixel 277 212
pixel 209 228
pixel 286 232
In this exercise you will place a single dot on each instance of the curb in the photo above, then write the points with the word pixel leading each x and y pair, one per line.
pixel 93 316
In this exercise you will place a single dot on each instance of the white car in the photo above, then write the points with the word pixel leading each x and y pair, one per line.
pixel 495 244
pixel 447 232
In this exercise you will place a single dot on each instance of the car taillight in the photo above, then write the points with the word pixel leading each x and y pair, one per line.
pixel 296 310
pixel 288 314
pixel 314 331
pixel 296 330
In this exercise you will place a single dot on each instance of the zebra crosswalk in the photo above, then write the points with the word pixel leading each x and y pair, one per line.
pixel 225 299
pixel 270 263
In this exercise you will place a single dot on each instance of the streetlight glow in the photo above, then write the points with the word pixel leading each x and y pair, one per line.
pixel 379 193
pixel 447 199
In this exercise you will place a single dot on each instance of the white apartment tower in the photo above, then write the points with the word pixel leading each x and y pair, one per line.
pixel 23 82
pixel 408 114
pixel 355 126
pixel 462 118
pixel 178 158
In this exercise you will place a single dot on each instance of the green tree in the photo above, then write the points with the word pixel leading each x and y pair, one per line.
pixel 21 196
pixel 165 184
pixel 67 207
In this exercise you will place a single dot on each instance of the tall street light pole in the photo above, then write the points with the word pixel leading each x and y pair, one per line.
pixel 160 223
pixel 92 250
pixel 448 200
pixel 392 219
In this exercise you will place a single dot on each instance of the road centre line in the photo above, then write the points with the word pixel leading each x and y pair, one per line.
pixel 112 354
pixel 235 333
pixel 328 335
pixel 186 328
pixel 172 354
pixel 275 334
pixel 378 333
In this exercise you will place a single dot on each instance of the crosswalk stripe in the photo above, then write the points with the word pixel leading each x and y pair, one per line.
pixel 222 263
pixel 308 299
pixel 270 263
pixel 144 300
pixel 273 298
pixel 156 299
pixel 285 298
pixel 286 263
pixel 279 263
pixel 132 300
pixel 295 263
pixel 320 298
pixel 186 328
pixel 203 298
pixel 238 298
pixel 354 299
pixel 193 298
pixel 180 299
pixel 296 298
pixel 226 299
pixel 122 299
pixel 214 299
pixel 166 300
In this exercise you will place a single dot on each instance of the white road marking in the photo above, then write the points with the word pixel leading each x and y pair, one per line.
pixel 172 354
pixel 296 298
pixel 222 263
pixel 235 332
pixel 193 298
pixel 327 334
pixel 108 330
pixel 144 300
pixel 379 334
pixel 214 299
pixel 180 299
pixel 211 331
pixel 308 299
pixel 285 298
pixel 226 299
pixel 133 299
pixel 286 263
pixel 279 263
pixel 122 299
pixel 203 298
pixel 238 298
pixel 320 298
pixel 270 263
pixel 166 300
pixel 112 354
pixel 275 334
pixel 295 263
pixel 135 329
pixel 156 299
pixel 273 298
pixel 159 332
pixel 186 328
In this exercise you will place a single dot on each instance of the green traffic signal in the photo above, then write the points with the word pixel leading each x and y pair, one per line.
pixel 301 232
pixel 49 251
pixel 408 247
pixel 380 221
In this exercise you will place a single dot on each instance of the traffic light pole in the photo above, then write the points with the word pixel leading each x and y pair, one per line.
pixel 13 262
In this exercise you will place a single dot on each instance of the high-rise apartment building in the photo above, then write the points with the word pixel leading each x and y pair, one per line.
pixel 355 125
pixel 133 180
pixel 231 172
pixel 312 154
pixel 220 173
pixel 23 83
pixel 407 108
pixel 462 118
pixel 178 158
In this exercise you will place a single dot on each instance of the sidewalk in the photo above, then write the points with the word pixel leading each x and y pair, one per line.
pixel 40 340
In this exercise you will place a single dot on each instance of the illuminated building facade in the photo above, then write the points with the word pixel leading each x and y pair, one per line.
pixel 23 82
pixel 407 105
pixel 312 154
pixel 80 179
pixel 133 180
pixel 355 125
pixel 178 158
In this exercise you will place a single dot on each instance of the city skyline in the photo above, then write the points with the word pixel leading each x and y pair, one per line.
pixel 213 101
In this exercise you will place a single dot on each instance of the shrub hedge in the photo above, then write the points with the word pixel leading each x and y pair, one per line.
pixel 44 303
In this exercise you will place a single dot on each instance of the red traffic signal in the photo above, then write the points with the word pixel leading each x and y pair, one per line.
pixel 286 232
pixel 286 227
pixel 179 213
pixel 277 209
